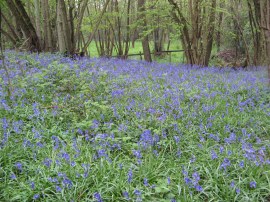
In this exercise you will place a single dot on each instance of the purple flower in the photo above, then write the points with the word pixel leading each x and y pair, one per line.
pixel 67 182
pixel 36 196
pixel 198 188
pixel 137 154
pixel 226 162
pixel 221 149
pixel 19 166
pixel 230 139
pixel 126 195
pixel 138 194
pixel 237 190
pixel 192 159
pixel 232 184
pixel 145 182
pixel 214 155
pixel 97 196
pixel 65 156
pixel 241 164
pixel 13 176
pixel 252 184
pixel 47 162
pixel 188 180
pixel 58 188
pixel 169 180
pixel 177 139
pixel 32 184
pixel 196 177
pixel 130 174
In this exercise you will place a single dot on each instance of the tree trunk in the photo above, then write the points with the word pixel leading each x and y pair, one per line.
pixel 47 26
pixel 79 24
pixel 24 21
pixel 210 36
pixel 11 28
pixel 264 16
pixel 96 26
pixel 63 29
pixel 145 41
pixel 37 20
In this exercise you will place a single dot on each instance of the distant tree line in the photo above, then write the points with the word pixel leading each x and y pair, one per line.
pixel 200 26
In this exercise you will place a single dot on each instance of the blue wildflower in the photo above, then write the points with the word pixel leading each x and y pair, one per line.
pixel 97 196
pixel 214 155
pixel 58 188
pixel 47 162
pixel 252 184
pixel 130 174
pixel 32 184
pixel 145 182
pixel 198 188
pixel 126 195
pixel 19 166
pixel 36 196
pixel 226 162
pixel 169 180
pixel 13 176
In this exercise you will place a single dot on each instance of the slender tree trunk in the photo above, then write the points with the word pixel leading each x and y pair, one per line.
pixel 145 41
pixel 60 31
pixel 80 19
pixel 47 26
pixel 210 36
pixel 24 21
pixel 128 29
pixel 11 28
pixel 264 16
pixel 96 26
pixel 37 20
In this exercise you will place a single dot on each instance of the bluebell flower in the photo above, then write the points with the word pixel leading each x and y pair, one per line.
pixel 58 188
pixel 13 176
pixel 19 166
pixel 145 182
pixel 237 190
pixel 36 196
pixel 230 139
pixel 130 175
pixel 198 188
pixel 73 163
pixel 138 194
pixel 253 184
pixel 47 162
pixel 196 177
pixel 221 149
pixel 169 180
pixel 232 184
pixel 241 164
pixel 188 181
pixel 126 195
pixel 120 166
pixel 67 182
pixel 137 154
pixel 178 153
pixel 32 184
pixel 97 196
pixel 192 159
pixel 214 155
pixel 177 139
pixel 226 162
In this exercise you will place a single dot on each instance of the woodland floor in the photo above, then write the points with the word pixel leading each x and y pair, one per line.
pixel 115 130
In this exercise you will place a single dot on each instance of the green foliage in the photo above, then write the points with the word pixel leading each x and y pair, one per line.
pixel 82 122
